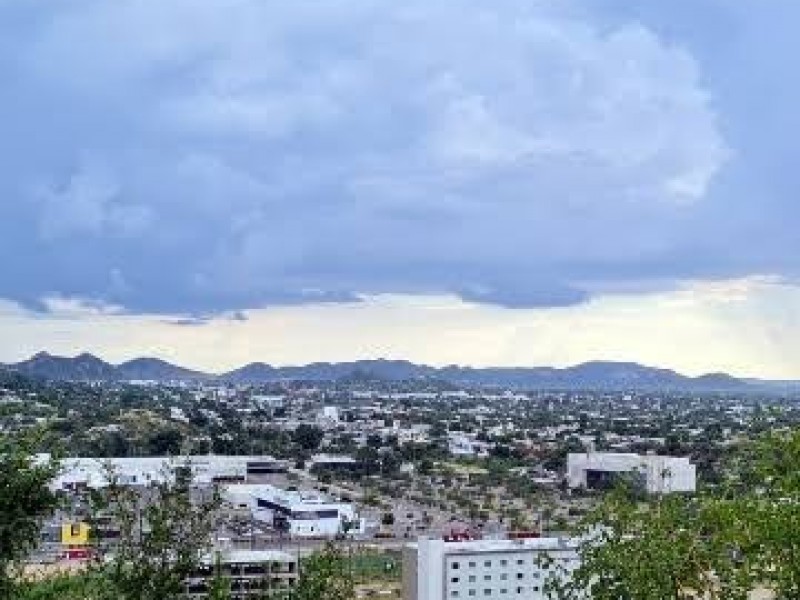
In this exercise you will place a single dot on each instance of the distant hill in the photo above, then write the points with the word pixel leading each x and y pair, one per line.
pixel 154 369
pixel 596 375
pixel 86 367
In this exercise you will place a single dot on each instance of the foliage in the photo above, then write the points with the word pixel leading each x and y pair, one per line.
pixel 325 575
pixel 25 500
pixel 720 544
pixel 163 534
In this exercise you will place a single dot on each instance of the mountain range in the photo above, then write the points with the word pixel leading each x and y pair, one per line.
pixel 599 375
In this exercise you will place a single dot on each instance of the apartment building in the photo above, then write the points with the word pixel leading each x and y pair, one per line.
pixel 502 569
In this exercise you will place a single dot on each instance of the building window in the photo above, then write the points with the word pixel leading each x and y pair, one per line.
pixel 487 563
pixel 504 591
pixel 472 578
pixel 519 590
pixel 75 529
pixel 487 577
pixel 454 580
pixel 454 565
pixel 503 576
pixel 472 564
pixel 503 563
pixel 471 592
pixel 487 592
pixel 520 561
pixel 454 594
pixel 520 575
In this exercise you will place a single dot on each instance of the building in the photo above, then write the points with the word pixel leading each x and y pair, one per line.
pixel 251 574
pixel 656 474
pixel 95 472
pixel 299 514
pixel 502 569
pixel 329 415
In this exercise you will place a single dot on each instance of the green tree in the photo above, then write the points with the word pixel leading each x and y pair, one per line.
pixel 163 533
pixel 307 437
pixel 25 501
pixel 325 575
pixel 658 549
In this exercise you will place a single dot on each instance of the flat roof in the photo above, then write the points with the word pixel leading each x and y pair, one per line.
pixel 250 556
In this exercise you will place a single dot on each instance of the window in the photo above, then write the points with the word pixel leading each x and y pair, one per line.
pixel 503 591
pixel 454 580
pixel 536 588
pixel 487 563
pixel 75 529
pixel 520 575
pixel 471 592
pixel 503 576
pixel 487 577
pixel 487 592
pixel 454 594
pixel 454 565
pixel 472 564
pixel 520 561
pixel 503 563
pixel 472 578
pixel 519 590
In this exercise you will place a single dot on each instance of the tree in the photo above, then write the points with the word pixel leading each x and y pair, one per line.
pixel 652 550
pixel 325 575
pixel 307 437
pixel 25 500
pixel 163 532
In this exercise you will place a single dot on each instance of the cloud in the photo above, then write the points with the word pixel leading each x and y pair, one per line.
pixel 212 157
pixel 747 327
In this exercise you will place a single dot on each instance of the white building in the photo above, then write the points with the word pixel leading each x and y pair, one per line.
pixel 658 474
pixel 328 414
pixel 300 514
pixel 206 469
pixel 506 569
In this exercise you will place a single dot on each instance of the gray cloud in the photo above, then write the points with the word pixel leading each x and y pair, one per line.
pixel 200 158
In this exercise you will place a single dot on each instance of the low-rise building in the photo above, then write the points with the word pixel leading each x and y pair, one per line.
pixel 97 472
pixel 656 474
pixel 299 514
pixel 248 573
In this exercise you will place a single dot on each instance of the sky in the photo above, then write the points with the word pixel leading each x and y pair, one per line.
pixel 507 183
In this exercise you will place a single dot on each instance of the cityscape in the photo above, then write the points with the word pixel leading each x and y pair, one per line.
pixel 399 300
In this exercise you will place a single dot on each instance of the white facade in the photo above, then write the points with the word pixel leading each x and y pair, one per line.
pixel 94 472
pixel 660 474
pixel 300 514
pixel 434 569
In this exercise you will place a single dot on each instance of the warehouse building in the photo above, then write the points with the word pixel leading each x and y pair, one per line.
pixel 655 474
pixel 79 473
pixel 502 569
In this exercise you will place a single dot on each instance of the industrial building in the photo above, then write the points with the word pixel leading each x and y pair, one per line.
pixel 96 472
pixel 655 474
pixel 501 569
pixel 299 514
pixel 249 574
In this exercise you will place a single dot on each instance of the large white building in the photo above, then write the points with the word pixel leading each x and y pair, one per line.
pixel 300 514
pixel 206 469
pixel 504 569
pixel 657 474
